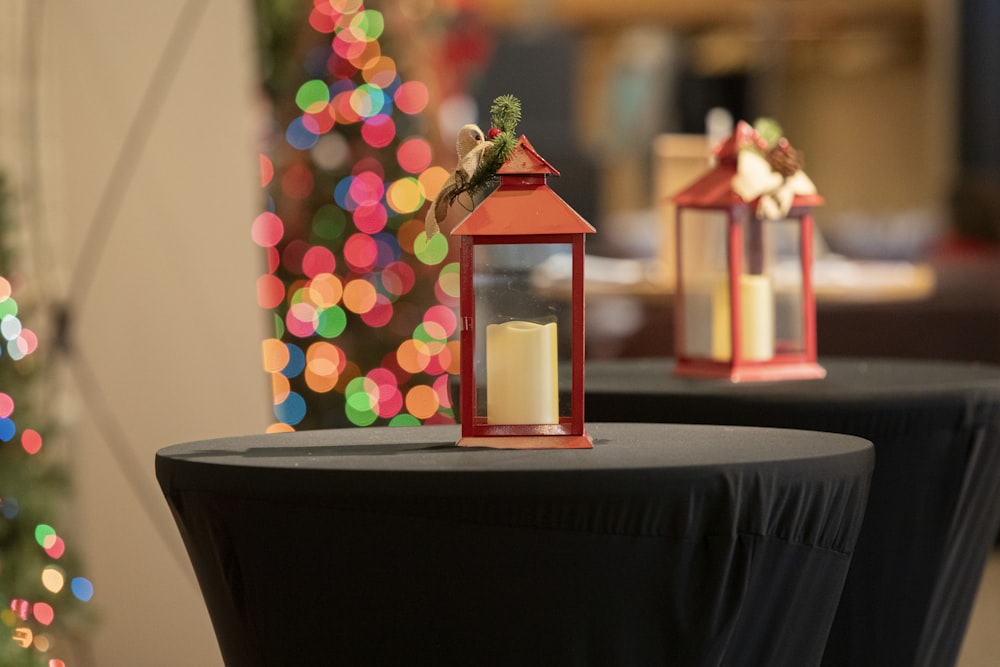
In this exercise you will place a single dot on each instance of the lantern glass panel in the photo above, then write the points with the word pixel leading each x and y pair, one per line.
pixel 785 239
pixel 705 281
pixel 522 335
pixel 756 285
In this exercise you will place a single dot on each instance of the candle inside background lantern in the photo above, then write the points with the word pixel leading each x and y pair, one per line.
pixel 756 319
pixel 522 373
pixel 756 294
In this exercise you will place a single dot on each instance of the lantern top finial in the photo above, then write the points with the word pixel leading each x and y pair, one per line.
pixel 525 160
pixel 745 136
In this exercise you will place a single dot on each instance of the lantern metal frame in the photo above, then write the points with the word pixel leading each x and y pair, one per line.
pixel 522 210
pixel 713 193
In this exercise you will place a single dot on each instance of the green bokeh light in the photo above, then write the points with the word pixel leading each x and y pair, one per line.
pixel 8 307
pixel 370 22
pixel 430 252
pixel 420 333
pixel 360 417
pixel 329 222
pixel 404 420
pixel 332 322
pixel 43 532
pixel 312 96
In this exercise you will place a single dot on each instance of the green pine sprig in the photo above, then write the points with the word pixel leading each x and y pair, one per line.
pixel 769 130
pixel 505 114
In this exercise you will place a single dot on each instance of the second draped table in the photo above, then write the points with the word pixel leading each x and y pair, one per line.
pixel 934 509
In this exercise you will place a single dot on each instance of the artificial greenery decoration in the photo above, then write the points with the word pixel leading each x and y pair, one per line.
pixel 769 130
pixel 505 114
pixel 480 156
pixel 775 148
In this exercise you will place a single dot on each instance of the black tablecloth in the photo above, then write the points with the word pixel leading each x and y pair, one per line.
pixel 664 545
pixel 934 509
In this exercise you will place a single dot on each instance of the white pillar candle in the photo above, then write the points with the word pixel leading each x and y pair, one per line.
pixel 522 376
pixel 756 323
pixel 721 331
pixel 757 317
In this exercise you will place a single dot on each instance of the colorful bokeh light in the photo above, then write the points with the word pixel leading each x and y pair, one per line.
pixel 414 155
pixel 82 588
pixel 412 97
pixel 18 341
pixel 26 619
pixel 364 304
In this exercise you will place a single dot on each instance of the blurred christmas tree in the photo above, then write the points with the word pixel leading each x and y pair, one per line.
pixel 364 303
pixel 42 614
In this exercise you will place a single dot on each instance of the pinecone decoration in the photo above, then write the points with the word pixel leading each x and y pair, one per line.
pixel 783 158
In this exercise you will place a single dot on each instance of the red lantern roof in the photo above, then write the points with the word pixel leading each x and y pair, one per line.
pixel 714 189
pixel 524 159
pixel 523 203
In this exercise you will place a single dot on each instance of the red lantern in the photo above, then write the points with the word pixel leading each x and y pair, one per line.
pixel 512 337
pixel 744 306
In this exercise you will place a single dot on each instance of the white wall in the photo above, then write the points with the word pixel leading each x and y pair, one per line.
pixel 168 324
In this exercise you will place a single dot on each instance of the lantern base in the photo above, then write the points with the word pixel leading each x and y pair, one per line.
pixel 772 371
pixel 583 441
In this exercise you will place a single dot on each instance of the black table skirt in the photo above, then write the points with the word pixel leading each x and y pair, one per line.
pixel 664 545
pixel 934 510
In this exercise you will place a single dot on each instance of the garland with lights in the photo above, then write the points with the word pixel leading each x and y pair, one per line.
pixel 41 612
